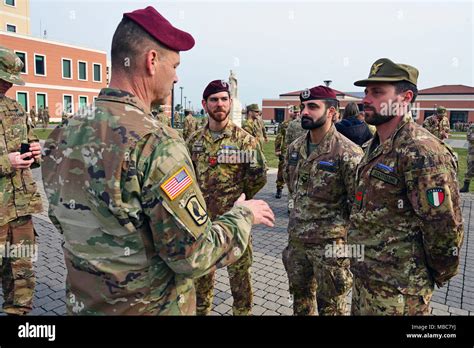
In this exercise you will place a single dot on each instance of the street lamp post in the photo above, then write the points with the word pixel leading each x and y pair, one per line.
pixel 189 101
pixel 184 107
pixel 181 88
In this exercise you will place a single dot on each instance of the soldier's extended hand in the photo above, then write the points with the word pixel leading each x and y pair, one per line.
pixel 18 161
pixel 35 149
pixel 262 213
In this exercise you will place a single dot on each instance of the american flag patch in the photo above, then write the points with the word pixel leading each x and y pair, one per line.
pixel 175 185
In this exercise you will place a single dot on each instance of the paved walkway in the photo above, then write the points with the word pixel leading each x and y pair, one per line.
pixel 270 282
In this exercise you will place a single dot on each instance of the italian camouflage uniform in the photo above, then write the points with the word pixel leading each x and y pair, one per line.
pixel 223 176
pixel 321 184
pixel 164 119
pixel 19 199
pixel 294 131
pixel 40 116
pixel 281 147
pixel 256 128
pixel 189 127
pixel 407 215
pixel 45 117
pixel 470 153
pixel 123 192
pixel 438 126
pixel 33 117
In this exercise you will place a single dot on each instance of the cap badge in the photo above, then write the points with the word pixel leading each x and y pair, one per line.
pixel 375 68
pixel 306 93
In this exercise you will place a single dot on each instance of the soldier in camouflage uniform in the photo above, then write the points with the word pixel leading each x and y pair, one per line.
pixel 438 124
pixel 45 117
pixel 33 116
pixel 320 169
pixel 294 130
pixel 406 211
pixel 470 159
pixel 40 116
pixel 190 125
pixel 123 191
pixel 228 162
pixel 281 147
pixel 254 124
pixel 19 198
pixel 162 117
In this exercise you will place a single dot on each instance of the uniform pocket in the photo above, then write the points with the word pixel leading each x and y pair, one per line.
pixel 336 276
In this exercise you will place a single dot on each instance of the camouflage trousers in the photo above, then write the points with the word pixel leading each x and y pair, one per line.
pixel 470 162
pixel 18 278
pixel 375 298
pixel 280 182
pixel 240 286
pixel 318 285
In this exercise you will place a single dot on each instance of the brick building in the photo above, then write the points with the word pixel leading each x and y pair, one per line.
pixel 59 76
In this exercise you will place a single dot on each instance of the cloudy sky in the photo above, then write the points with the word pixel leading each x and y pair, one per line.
pixel 281 46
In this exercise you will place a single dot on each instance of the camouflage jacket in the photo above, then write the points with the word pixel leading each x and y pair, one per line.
pixel 123 191
pixel 19 195
pixel 438 127
pixel 163 118
pixel 226 167
pixel 256 128
pixel 470 134
pixel 189 127
pixel 294 131
pixel 407 211
pixel 322 186
pixel 280 143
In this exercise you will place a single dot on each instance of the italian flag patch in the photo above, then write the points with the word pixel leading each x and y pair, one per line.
pixel 435 196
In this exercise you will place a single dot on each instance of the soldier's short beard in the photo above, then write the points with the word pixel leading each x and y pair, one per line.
pixel 218 119
pixel 376 118
pixel 308 123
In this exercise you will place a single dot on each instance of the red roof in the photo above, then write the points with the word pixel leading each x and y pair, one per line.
pixel 448 89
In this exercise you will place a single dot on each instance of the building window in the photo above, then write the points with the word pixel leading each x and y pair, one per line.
pixel 40 65
pixel 97 72
pixel 458 116
pixel 22 98
pixel 11 28
pixel 10 2
pixel 82 103
pixel 22 56
pixel 82 66
pixel 67 104
pixel 67 69
pixel 40 101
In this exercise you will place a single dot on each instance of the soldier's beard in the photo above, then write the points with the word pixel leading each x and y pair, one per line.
pixel 217 115
pixel 374 118
pixel 308 123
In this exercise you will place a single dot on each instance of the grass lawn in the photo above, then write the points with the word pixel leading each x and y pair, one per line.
pixel 42 133
pixel 462 154
pixel 269 152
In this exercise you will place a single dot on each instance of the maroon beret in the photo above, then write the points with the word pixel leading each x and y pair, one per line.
pixel 318 92
pixel 215 86
pixel 160 29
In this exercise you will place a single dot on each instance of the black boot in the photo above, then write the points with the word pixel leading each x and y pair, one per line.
pixel 465 188
pixel 278 194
